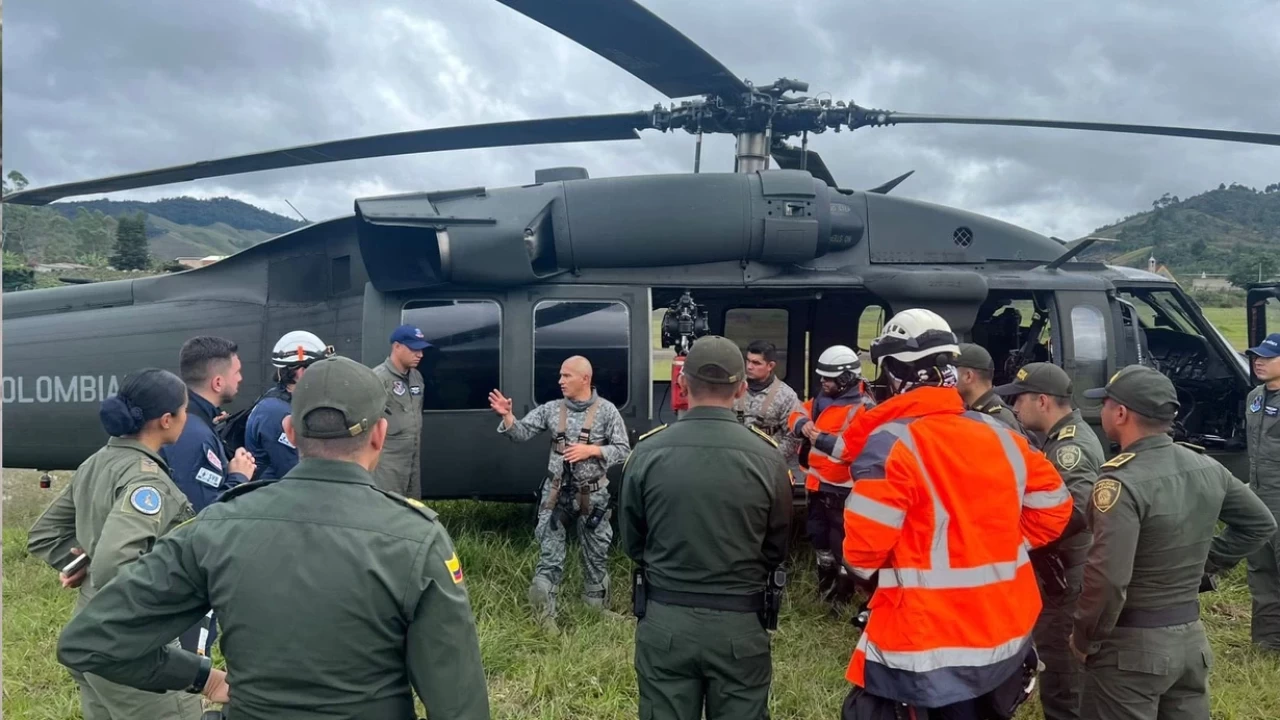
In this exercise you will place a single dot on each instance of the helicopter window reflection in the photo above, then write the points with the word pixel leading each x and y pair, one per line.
pixel 596 330
pixel 462 365
pixel 1088 333
pixel 746 325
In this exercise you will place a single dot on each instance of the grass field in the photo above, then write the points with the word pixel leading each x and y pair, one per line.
pixel 587 671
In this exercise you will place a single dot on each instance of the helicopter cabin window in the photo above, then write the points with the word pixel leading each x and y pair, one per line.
pixel 596 330
pixel 462 364
pixel 747 325
pixel 1016 328
pixel 1088 333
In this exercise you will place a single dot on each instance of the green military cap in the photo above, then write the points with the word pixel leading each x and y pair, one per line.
pixel 716 360
pixel 1039 378
pixel 1142 390
pixel 340 384
pixel 974 356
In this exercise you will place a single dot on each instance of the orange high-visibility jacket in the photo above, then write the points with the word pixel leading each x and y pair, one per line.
pixel 945 505
pixel 827 463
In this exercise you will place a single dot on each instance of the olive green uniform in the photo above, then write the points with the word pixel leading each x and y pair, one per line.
pixel 991 404
pixel 1262 428
pixel 337 599
pixel 118 503
pixel 1075 451
pixel 705 509
pixel 399 469
pixel 1153 512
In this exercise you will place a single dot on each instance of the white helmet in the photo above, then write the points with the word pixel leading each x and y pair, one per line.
pixel 298 348
pixel 838 360
pixel 912 335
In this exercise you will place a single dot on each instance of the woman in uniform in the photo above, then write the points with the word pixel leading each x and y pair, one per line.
pixel 118 502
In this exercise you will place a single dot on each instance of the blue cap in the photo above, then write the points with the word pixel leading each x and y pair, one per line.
pixel 410 337
pixel 1268 348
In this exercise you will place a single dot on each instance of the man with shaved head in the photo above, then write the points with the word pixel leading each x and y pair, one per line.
pixel 587 438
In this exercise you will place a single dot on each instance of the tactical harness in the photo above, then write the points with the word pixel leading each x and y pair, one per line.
pixel 739 406
pixel 558 446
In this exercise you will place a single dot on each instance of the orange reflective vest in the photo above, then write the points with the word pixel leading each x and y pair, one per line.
pixel 944 507
pixel 827 466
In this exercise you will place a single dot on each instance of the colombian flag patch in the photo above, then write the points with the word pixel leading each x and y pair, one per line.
pixel 455 568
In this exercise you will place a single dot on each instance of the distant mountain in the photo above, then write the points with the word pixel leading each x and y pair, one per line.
pixel 1204 233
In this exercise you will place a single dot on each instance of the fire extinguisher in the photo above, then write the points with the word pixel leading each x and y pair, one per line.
pixel 679 401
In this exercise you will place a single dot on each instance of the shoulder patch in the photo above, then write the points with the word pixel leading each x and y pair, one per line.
pixel 1067 456
pixel 149 466
pixel 1119 460
pixel 241 489
pixel 1189 446
pixel 759 432
pixel 455 568
pixel 1105 493
pixel 146 500
pixel 654 431
pixel 284 440
pixel 1067 432
pixel 414 503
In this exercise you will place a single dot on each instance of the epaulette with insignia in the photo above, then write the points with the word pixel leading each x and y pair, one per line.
pixel 149 466
pixel 761 433
pixel 1119 460
pixel 993 410
pixel 410 502
pixel 243 488
pixel 1188 445
pixel 654 431
pixel 1067 433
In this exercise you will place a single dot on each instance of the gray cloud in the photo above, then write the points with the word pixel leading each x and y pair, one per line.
pixel 93 89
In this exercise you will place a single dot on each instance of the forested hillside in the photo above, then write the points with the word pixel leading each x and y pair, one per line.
pixel 1218 231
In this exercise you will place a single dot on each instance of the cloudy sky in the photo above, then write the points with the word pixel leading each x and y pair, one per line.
pixel 93 89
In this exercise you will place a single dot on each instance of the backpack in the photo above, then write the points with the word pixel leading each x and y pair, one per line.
pixel 232 430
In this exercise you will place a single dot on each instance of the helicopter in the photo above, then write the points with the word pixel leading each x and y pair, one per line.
pixel 507 282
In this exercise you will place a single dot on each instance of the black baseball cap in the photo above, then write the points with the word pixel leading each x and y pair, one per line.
pixel 1142 390
pixel 1039 378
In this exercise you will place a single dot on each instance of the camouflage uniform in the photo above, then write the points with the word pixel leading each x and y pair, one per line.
pixel 767 410
pixel 563 498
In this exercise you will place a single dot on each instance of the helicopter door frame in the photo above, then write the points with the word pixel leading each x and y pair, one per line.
pixel 637 411
pixel 1081 316
pixel 1257 296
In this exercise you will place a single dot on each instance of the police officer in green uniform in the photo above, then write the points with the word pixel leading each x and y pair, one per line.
pixel 1041 397
pixel 118 503
pixel 1262 430
pixel 705 513
pixel 974 372
pixel 1153 512
pixel 338 599
pixel 400 469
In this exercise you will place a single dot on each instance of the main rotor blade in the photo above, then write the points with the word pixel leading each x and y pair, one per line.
pixel 788 158
pixel 866 117
pixel 633 38
pixel 588 128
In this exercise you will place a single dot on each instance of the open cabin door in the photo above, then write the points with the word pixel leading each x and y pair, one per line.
pixel 1262 312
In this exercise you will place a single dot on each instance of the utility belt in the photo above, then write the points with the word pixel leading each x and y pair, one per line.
pixel 1180 614
pixel 767 604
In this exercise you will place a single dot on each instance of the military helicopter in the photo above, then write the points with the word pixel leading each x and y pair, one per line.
pixel 507 282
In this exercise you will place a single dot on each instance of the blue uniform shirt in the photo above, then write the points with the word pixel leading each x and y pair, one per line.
pixel 198 462
pixel 264 436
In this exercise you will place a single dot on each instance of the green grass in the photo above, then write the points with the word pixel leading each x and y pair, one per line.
pixel 587 671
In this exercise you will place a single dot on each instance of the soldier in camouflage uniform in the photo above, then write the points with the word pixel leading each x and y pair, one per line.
pixel 588 437
pixel 1041 397
pixel 119 502
pixel 768 402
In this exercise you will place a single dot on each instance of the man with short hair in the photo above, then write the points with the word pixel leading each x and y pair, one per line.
pixel 1261 432
pixel 975 371
pixel 588 437
pixel 769 401
pixel 1153 512
pixel 400 469
pixel 198 463
pixel 1041 397
pixel 343 598
pixel 705 514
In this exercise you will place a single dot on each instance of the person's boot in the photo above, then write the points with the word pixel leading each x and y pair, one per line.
pixel 597 598
pixel 542 598
pixel 827 573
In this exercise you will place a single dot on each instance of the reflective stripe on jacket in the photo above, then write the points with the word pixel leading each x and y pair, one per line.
pixel 827 464
pixel 944 507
